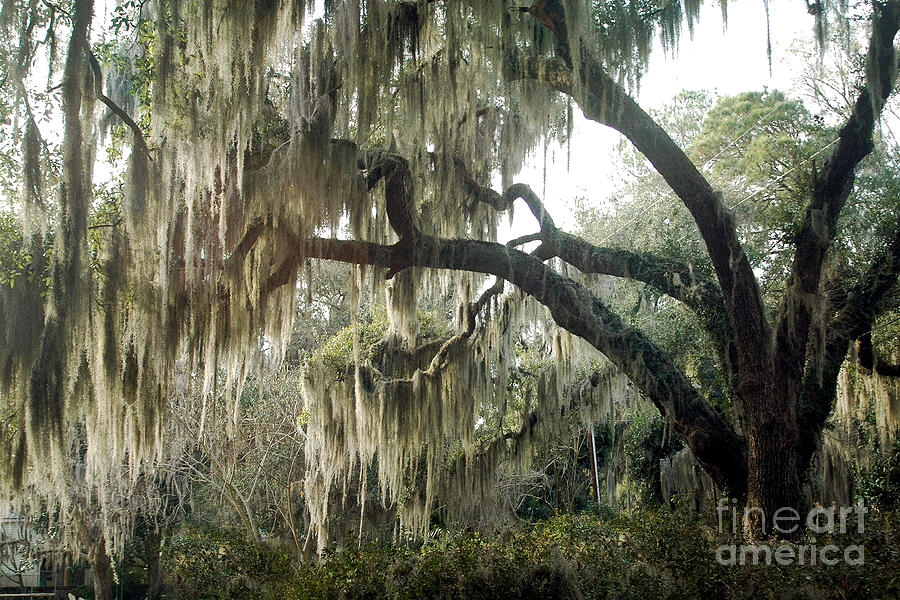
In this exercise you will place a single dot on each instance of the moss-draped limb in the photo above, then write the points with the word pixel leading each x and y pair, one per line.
pixel 604 100
pixel 714 442
pixel 830 189
pixel 853 318
pixel 670 277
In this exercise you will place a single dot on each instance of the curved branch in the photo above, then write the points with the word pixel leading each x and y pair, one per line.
pixel 504 201
pixel 604 100
pixel 573 307
pixel 830 189
pixel 552 15
pixel 472 309
pixel 670 277
pixel 699 293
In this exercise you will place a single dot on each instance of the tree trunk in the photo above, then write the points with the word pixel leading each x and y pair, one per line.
pixel 102 569
pixel 773 478
pixel 154 569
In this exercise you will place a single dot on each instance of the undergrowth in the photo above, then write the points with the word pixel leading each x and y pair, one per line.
pixel 655 554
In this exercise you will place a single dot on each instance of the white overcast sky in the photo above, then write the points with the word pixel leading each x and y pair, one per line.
pixel 726 60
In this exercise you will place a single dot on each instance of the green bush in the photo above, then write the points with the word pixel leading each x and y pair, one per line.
pixel 651 554
pixel 224 565
pixel 647 441
pixel 880 485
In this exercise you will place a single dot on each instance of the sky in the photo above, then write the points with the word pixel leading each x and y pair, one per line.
pixel 725 60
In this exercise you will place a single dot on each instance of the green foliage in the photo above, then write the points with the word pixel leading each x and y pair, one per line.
pixel 647 441
pixel 336 353
pixel 564 485
pixel 15 260
pixel 880 484
pixel 651 554
pixel 758 146
pixel 225 565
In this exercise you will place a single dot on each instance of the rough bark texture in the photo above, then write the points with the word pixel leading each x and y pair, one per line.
pixel 102 569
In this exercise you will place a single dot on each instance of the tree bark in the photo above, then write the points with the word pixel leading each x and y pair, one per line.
pixel 773 477
pixel 102 569
pixel 154 568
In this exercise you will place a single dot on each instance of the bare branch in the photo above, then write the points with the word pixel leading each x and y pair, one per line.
pixel 504 201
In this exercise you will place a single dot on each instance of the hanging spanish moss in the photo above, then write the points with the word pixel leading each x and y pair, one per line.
pixel 435 423
pixel 260 130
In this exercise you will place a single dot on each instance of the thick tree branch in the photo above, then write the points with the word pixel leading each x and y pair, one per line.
pixel 869 360
pixel 552 15
pixel 603 100
pixel 670 277
pixel 505 200
pixel 830 189
pixel 251 235
pixel 398 193
pixel 573 307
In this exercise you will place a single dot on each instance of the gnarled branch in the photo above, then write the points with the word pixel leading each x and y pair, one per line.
pixel 670 277
pixel 573 307
pixel 604 100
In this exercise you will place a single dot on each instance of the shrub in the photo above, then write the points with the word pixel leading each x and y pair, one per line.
pixel 223 565
pixel 650 554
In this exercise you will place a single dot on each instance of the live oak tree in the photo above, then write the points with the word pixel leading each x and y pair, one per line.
pixel 262 140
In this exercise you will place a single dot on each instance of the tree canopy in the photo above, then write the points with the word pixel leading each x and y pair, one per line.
pixel 251 141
